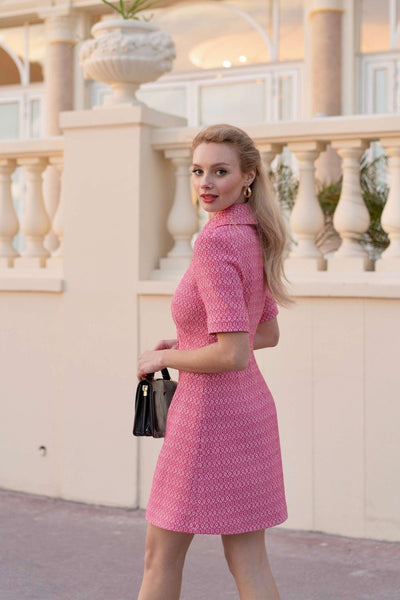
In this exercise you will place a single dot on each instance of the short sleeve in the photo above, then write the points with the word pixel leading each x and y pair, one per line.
pixel 270 309
pixel 219 280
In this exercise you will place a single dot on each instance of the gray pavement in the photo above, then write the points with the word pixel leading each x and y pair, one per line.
pixel 56 550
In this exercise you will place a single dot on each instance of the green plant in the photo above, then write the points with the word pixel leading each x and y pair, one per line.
pixel 285 185
pixel 130 10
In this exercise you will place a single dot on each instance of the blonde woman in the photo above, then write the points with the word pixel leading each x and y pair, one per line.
pixel 219 470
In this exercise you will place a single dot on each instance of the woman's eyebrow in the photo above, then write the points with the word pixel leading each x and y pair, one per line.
pixel 214 165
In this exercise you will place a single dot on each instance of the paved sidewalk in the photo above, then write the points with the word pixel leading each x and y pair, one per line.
pixel 55 550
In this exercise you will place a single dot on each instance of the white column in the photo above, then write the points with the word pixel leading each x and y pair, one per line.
pixel 351 219
pixel 307 218
pixel 59 80
pixel 58 220
pixel 8 219
pixel 390 220
pixel 182 222
pixel 35 222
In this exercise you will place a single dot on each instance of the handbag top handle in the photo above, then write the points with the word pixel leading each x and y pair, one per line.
pixel 164 372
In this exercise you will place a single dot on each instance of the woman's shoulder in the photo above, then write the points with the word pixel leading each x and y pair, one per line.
pixel 222 238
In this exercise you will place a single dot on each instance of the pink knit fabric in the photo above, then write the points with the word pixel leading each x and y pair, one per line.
pixel 219 470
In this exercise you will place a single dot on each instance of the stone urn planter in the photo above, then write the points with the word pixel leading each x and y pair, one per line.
pixel 124 54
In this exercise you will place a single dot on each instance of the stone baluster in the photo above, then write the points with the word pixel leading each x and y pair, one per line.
pixel 390 220
pixel 307 218
pixel 58 220
pixel 9 225
pixel 268 152
pixel 182 222
pixel 351 219
pixel 35 222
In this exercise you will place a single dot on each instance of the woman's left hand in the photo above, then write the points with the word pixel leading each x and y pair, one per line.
pixel 149 362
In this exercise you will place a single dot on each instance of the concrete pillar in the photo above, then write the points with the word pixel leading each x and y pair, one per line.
pixel 59 68
pixel 326 28
pixel 326 75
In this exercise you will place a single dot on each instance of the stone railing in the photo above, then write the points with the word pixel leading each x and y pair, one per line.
pixel 38 265
pixel 307 140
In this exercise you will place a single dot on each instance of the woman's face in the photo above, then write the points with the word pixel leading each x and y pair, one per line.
pixel 217 178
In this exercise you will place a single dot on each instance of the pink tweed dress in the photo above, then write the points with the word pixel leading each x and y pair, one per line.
pixel 219 470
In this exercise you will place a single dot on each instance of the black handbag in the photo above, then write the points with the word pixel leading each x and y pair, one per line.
pixel 153 397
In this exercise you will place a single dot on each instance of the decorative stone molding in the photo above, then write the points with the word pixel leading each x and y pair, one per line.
pixel 351 219
pixel 326 5
pixel 9 225
pixel 35 223
pixel 390 219
pixel 307 219
pixel 125 54
pixel 182 222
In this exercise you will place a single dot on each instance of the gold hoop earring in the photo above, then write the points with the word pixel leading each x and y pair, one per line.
pixel 247 192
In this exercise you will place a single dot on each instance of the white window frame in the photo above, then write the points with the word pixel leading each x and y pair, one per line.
pixel 390 61
pixel 193 82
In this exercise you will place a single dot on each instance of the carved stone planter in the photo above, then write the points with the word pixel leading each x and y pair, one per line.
pixel 124 54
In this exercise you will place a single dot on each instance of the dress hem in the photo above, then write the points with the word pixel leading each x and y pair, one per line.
pixel 204 531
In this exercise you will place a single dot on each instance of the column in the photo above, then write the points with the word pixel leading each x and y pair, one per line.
pixel 307 218
pixel 182 221
pixel 351 218
pixel 8 219
pixel 390 220
pixel 326 75
pixel 59 73
pixel 326 59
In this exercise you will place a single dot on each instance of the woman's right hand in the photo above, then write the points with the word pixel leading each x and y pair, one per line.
pixel 166 345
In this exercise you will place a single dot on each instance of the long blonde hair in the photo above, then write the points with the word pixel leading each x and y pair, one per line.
pixel 271 226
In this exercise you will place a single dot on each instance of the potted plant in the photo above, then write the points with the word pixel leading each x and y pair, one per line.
pixel 127 51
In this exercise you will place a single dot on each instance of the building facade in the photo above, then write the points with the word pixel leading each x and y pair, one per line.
pixel 246 61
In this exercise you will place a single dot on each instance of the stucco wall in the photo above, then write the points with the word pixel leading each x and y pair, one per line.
pixel 69 387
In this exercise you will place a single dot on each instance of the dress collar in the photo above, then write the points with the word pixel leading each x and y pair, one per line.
pixel 236 214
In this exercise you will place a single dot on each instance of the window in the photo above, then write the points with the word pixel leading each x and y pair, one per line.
pixel 232 102
pixel 380 83
pixel 167 99
pixel 9 120
pixel 22 54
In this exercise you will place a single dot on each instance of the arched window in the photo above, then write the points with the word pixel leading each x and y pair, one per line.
pixel 22 55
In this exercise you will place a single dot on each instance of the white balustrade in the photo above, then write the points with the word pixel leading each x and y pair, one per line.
pixel 307 218
pixel 390 220
pixel 182 222
pixel 35 222
pixel 351 219
pixel 9 225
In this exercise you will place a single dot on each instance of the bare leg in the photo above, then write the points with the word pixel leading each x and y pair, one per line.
pixel 163 564
pixel 248 562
